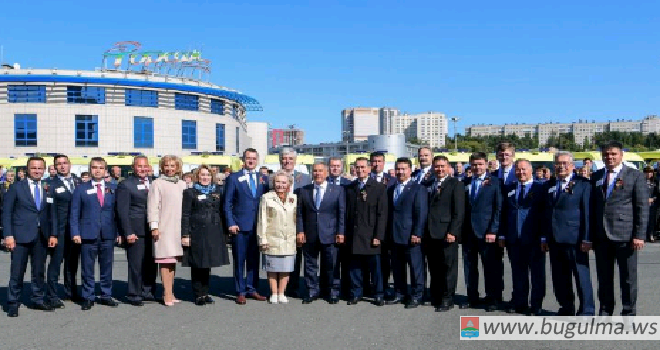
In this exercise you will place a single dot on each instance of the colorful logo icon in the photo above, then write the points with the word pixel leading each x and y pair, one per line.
pixel 469 327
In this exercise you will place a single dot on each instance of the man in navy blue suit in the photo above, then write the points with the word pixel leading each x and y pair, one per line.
pixel 61 189
pixel 425 175
pixel 243 190
pixel 566 235
pixel 320 227
pixel 27 232
pixel 93 226
pixel 407 219
pixel 336 170
pixel 480 229
pixel 505 153
pixel 522 215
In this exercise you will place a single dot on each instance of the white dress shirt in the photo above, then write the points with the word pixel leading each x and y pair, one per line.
pixel 39 187
pixel 102 183
pixel 318 188
pixel 65 180
pixel 422 173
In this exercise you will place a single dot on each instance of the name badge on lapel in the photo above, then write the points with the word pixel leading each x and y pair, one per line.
pixel 511 193
pixel 141 187
pixel 552 189
pixel 242 179
pixel 201 197
pixel 49 200
pixel 59 190
pixel 91 191
pixel 600 182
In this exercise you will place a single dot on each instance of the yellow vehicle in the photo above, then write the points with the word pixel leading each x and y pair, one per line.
pixel 191 162
pixel 390 159
pixel 596 157
pixel 537 158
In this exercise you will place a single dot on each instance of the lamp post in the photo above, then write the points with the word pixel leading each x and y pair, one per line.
pixel 455 120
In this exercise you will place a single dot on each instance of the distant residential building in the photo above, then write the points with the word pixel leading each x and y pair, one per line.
pixel 394 144
pixel 428 128
pixel 582 129
pixel 285 137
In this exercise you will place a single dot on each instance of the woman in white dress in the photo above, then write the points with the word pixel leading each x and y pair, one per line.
pixel 164 215
pixel 276 234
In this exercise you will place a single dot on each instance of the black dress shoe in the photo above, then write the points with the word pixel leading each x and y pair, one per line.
pixel 135 302
pixel 13 311
pixel 42 307
pixel 492 307
pixel 333 300
pixel 603 312
pixel 394 301
pixel 535 312
pixel 87 305
pixel 208 299
pixel 309 300
pixel 201 301
pixel 379 301
pixel 353 301
pixel 108 302
pixel 469 305
pixel 565 312
pixel 56 304
pixel 149 299
pixel 412 304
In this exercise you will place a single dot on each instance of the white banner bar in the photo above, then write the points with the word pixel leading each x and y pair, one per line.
pixel 560 328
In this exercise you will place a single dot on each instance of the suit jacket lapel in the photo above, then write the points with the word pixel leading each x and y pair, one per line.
pixel 28 189
pixel 246 183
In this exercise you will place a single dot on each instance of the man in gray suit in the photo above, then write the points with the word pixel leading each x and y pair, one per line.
pixel 619 218
pixel 288 158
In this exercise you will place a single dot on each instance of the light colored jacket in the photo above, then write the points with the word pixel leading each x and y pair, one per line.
pixel 276 224
pixel 164 212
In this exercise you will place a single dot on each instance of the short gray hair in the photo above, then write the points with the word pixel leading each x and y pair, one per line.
pixel 520 160
pixel 318 162
pixel 288 150
pixel 563 154
pixel 288 176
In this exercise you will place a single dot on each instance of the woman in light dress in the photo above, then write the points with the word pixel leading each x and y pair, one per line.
pixel 276 234
pixel 164 216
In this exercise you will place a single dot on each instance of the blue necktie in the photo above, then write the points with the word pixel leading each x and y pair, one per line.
pixel 559 182
pixel 397 193
pixel 253 185
pixel 474 189
pixel 317 200
pixel 37 195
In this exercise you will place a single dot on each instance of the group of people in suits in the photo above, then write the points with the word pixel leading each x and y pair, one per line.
pixel 346 238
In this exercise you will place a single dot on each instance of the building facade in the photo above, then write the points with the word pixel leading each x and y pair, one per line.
pixel 428 128
pixel 393 144
pixel 258 132
pixel 285 137
pixel 97 113
pixel 583 130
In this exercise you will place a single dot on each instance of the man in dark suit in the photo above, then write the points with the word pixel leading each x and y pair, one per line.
pixel 115 175
pixel 336 167
pixel 505 153
pixel 619 219
pixel 443 230
pixel 366 223
pixel 27 232
pixel 406 223
pixel 425 175
pixel 61 189
pixel 566 234
pixel 132 216
pixel 480 228
pixel 243 190
pixel 288 158
pixel 377 160
pixel 320 227
pixel 522 214
pixel 93 226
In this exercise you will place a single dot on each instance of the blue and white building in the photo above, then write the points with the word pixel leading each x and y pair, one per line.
pixel 89 113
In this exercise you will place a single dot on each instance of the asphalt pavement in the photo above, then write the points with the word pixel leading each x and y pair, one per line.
pixel 259 325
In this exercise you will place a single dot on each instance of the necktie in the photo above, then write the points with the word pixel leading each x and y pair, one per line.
pixel 37 195
pixel 474 189
pixel 317 200
pixel 397 193
pixel 361 185
pixel 253 185
pixel 521 196
pixel 99 194
pixel 559 186
pixel 69 180
pixel 606 184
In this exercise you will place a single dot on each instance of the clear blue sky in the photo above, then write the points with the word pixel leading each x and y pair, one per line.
pixel 485 61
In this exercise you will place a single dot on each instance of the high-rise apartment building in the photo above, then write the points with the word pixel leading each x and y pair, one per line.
pixel 288 137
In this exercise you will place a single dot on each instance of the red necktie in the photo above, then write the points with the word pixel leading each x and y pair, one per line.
pixel 99 194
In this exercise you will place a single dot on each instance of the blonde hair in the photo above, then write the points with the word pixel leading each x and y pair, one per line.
pixel 288 176
pixel 171 158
